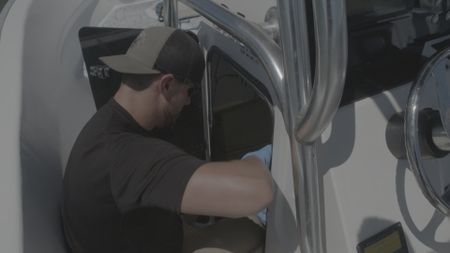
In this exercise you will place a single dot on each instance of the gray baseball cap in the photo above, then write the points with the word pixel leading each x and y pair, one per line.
pixel 161 50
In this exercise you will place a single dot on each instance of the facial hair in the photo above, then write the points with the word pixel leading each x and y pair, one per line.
pixel 169 118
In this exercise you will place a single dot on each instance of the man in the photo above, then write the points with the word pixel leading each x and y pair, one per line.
pixel 124 189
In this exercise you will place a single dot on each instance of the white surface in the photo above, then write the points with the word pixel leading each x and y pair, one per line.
pixel 282 236
pixel 137 14
pixel 367 188
pixel 11 233
pixel 56 102
pixel 44 102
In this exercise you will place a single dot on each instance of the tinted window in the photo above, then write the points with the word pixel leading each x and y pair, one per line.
pixel 242 114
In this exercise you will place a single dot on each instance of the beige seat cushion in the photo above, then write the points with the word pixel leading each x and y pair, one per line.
pixel 226 236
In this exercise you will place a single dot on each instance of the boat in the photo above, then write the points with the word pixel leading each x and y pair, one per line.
pixel 354 97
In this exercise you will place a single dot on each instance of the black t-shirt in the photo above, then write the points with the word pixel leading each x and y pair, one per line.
pixel 123 188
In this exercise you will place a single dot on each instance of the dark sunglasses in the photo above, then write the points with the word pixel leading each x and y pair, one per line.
pixel 193 91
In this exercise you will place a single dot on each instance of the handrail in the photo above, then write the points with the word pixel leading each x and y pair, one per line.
pixel 295 45
pixel 331 37
pixel 331 64
pixel 311 111
pixel 253 37
pixel 331 34
pixel 170 13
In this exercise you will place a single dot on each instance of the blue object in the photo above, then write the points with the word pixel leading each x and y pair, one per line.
pixel 264 154
pixel 262 216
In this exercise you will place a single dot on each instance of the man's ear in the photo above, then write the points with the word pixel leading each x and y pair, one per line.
pixel 165 86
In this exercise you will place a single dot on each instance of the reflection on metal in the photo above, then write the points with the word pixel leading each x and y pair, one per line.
pixel 434 141
pixel 311 110
pixel 294 41
pixel 412 135
pixel 440 137
pixel 207 111
pixel 331 64
pixel 170 11
pixel 440 74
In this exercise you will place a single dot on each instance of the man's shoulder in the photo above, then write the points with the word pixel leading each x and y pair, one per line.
pixel 136 143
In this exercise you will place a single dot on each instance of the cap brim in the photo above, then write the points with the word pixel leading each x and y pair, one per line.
pixel 126 64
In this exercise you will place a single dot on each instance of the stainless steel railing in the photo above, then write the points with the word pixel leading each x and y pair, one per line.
pixel 311 106
pixel 170 13
pixel 305 116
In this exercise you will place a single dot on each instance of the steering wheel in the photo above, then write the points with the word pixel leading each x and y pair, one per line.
pixel 437 122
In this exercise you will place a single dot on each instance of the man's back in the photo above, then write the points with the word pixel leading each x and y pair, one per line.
pixel 118 174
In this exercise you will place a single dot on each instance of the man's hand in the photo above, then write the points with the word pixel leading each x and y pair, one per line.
pixel 264 154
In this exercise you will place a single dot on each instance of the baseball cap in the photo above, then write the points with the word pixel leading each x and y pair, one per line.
pixel 161 50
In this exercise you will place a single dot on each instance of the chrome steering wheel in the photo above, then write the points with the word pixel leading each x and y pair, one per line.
pixel 436 70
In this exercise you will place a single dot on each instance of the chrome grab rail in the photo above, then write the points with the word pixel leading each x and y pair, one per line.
pixel 331 64
pixel 293 31
pixel 170 13
pixel 330 74
pixel 311 111
pixel 412 135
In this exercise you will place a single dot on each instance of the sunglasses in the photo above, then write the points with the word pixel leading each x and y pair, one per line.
pixel 193 89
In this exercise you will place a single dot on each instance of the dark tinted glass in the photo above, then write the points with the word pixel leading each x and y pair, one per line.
pixel 361 11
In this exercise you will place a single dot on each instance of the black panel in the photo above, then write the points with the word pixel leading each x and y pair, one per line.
pixel 96 42
pixel 375 64
pixel 386 40
pixel 362 12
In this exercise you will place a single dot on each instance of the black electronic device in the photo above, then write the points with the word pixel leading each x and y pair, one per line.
pixel 390 240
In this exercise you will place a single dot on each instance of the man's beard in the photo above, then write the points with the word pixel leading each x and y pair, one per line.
pixel 170 119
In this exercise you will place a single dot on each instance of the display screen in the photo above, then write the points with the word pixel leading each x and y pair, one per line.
pixel 391 243
pixel 390 240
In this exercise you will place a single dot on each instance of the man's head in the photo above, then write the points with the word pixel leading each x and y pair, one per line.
pixel 163 50
pixel 168 58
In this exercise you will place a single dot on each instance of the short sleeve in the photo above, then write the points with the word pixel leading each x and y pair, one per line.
pixel 149 172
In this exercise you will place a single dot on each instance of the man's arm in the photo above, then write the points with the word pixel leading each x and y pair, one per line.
pixel 228 189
